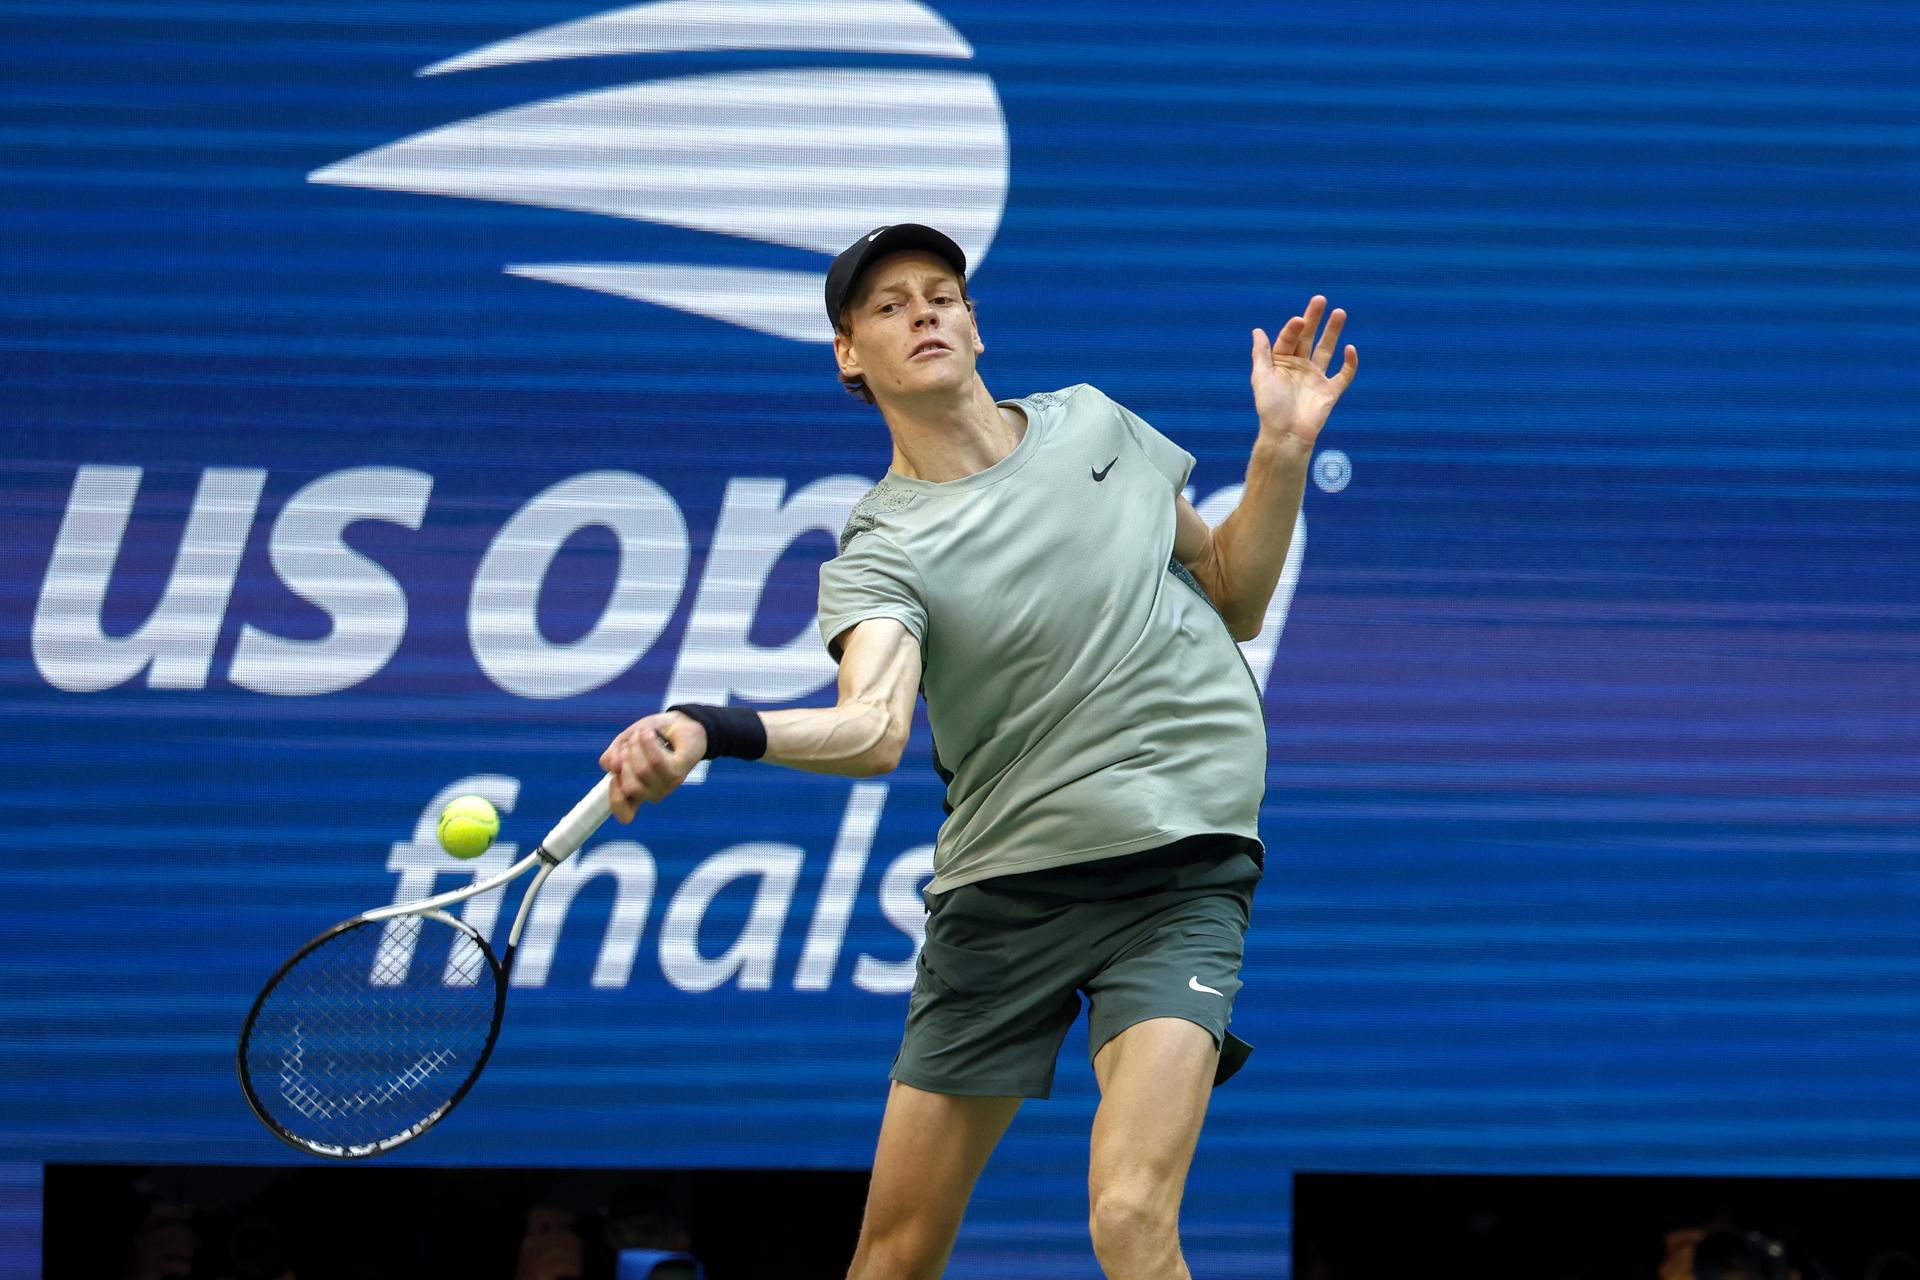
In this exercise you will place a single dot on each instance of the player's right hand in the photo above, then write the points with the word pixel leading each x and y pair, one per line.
pixel 651 757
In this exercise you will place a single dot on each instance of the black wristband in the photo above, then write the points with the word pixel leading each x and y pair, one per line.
pixel 731 731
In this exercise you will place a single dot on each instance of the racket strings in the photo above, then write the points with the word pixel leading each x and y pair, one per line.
pixel 373 1032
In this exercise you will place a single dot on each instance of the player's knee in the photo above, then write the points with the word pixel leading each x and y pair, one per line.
pixel 1133 1216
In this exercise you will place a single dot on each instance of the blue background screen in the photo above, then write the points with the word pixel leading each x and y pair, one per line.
pixel 402 399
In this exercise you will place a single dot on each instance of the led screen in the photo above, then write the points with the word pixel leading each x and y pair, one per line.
pixel 402 399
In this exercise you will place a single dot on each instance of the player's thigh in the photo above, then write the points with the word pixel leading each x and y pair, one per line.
pixel 1155 1081
pixel 932 1148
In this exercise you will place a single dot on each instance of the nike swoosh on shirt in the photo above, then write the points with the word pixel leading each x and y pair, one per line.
pixel 1101 474
pixel 1198 985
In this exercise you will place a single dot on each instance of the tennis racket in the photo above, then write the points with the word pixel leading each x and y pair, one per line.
pixel 371 1033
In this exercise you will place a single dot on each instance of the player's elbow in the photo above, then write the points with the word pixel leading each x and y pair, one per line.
pixel 892 745
pixel 1243 621
pixel 883 754
pixel 874 764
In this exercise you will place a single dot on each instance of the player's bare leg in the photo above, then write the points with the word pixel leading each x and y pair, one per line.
pixel 932 1148
pixel 1155 1079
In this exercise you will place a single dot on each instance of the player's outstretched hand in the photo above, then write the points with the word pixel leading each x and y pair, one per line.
pixel 1291 389
pixel 651 757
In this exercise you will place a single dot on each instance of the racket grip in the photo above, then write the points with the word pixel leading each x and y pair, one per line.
pixel 572 831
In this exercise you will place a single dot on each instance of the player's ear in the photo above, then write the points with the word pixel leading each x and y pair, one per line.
pixel 843 355
pixel 973 318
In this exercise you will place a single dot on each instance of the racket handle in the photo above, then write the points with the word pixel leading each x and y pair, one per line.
pixel 572 831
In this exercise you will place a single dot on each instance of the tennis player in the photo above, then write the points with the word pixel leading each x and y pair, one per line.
pixel 1032 567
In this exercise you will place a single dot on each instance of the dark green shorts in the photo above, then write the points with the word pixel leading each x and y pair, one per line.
pixel 1156 934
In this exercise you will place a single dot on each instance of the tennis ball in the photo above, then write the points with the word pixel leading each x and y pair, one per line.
pixel 468 826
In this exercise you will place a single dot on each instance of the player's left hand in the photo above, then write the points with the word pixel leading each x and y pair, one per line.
pixel 1291 389
pixel 651 757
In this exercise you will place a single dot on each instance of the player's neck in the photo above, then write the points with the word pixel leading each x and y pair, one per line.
pixel 955 439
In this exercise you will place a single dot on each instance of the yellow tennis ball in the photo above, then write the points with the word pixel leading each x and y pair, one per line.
pixel 468 826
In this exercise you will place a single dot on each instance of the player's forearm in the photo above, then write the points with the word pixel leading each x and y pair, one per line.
pixel 1250 546
pixel 856 739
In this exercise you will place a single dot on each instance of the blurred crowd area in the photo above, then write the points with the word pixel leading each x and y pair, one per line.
pixel 1367 1226
pixel 377 1223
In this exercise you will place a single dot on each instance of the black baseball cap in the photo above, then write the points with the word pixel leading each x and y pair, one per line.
pixel 893 238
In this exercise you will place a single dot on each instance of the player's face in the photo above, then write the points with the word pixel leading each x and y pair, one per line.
pixel 912 333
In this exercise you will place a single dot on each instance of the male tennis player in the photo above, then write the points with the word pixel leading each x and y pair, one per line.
pixel 1032 567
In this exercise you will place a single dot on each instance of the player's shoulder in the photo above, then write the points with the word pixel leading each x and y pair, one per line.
pixel 1078 393
pixel 877 512
pixel 1092 414
pixel 1070 412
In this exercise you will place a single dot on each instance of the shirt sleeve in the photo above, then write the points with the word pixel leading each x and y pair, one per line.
pixel 1168 458
pixel 872 578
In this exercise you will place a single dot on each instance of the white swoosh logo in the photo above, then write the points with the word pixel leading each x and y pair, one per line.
pixel 802 158
pixel 1198 985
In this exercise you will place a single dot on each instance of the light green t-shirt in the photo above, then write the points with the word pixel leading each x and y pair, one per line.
pixel 1085 698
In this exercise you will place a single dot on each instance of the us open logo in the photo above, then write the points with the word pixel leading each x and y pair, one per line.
pixel 805 158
